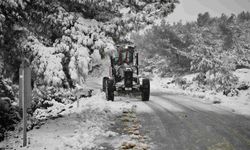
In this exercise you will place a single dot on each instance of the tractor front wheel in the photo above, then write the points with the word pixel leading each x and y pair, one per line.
pixel 110 90
pixel 145 90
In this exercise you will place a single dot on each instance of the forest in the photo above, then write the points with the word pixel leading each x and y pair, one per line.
pixel 214 47
pixel 65 40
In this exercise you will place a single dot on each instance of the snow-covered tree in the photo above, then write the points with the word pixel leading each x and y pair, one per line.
pixel 213 47
pixel 70 33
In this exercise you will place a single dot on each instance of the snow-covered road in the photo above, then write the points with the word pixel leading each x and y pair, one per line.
pixel 185 123
pixel 168 121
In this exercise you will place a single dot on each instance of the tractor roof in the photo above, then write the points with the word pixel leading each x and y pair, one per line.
pixel 125 47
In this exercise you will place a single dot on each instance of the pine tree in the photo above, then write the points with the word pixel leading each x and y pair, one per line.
pixel 69 32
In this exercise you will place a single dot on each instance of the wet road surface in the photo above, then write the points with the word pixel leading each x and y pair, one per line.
pixel 175 122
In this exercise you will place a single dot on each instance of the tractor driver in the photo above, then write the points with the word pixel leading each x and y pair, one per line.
pixel 122 60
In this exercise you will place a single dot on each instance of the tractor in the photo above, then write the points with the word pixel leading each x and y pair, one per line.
pixel 124 75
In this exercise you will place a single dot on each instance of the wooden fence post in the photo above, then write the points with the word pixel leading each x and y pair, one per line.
pixel 25 94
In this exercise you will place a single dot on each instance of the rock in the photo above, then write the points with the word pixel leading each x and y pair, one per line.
pixel 134 136
pixel 128 145
pixel 143 146
pixel 136 132
pixel 243 87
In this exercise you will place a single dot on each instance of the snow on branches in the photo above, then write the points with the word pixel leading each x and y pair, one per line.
pixel 70 36
pixel 47 65
pixel 81 44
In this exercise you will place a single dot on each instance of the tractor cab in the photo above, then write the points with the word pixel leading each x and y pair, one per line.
pixel 123 55
pixel 124 61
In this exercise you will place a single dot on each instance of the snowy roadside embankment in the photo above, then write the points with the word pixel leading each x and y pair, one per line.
pixel 92 125
pixel 95 116
pixel 84 127
pixel 239 103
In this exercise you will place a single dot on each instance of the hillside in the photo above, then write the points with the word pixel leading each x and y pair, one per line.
pixel 212 47
pixel 63 40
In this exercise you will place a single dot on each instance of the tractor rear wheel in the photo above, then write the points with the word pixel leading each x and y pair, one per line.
pixel 104 83
pixel 110 90
pixel 145 90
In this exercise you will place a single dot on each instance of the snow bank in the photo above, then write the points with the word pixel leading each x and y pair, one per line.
pixel 243 75
pixel 237 104
pixel 95 115
pixel 77 128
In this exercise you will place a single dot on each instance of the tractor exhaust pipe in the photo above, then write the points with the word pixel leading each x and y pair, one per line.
pixel 137 63
pixel 112 61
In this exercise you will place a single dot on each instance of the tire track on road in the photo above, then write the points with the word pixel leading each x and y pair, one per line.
pixel 192 128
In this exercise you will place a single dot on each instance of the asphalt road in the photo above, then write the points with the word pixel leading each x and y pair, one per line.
pixel 175 122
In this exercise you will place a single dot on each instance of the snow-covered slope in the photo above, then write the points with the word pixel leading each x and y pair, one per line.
pixel 239 104
pixel 92 125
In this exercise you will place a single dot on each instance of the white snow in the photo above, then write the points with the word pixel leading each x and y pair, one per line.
pixel 243 75
pixel 239 104
pixel 87 126
pixel 79 128
pixel 96 57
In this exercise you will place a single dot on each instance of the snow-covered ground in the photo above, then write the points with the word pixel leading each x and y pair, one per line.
pixel 238 104
pixel 90 124
pixel 72 126
pixel 83 127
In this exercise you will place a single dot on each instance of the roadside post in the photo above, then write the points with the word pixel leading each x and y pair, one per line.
pixel 25 94
pixel 77 96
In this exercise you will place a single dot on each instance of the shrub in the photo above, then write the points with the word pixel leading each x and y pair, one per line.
pixel 180 82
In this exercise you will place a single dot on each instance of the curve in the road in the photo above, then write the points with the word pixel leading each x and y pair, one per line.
pixel 183 123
